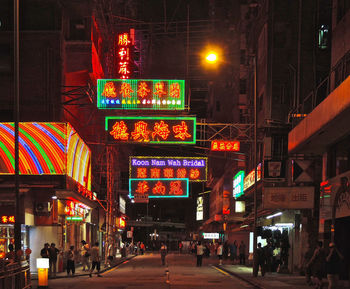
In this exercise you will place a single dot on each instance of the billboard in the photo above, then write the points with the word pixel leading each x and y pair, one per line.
pixel 238 183
pixel 193 168
pixel 159 188
pixel 225 146
pixel 149 129
pixel 148 94
pixel 45 148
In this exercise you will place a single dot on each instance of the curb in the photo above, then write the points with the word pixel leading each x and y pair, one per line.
pixel 121 261
pixel 254 284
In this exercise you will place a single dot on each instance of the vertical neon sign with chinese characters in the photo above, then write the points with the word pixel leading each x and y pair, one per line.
pixel 238 184
pixel 159 188
pixel 124 63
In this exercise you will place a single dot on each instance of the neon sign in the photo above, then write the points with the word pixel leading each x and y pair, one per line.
pixel 238 184
pixel 145 129
pixel 150 94
pixel 76 209
pixel 124 64
pixel 120 222
pixel 7 219
pixel 159 188
pixel 249 180
pixel 195 169
pixel 225 146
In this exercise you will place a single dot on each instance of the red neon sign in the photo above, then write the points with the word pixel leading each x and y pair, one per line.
pixel 124 44
pixel 7 219
pixel 225 146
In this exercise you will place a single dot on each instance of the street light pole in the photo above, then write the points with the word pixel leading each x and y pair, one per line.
pixel 255 170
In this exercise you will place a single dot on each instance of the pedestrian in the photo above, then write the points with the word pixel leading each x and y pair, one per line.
pixel 142 248
pixel 163 252
pixel 317 264
pixel 70 261
pixel 219 252
pixel 10 255
pixel 333 266
pixel 268 254
pixel 180 247
pixel 200 252
pixel 225 250
pixel 242 253
pixel 259 261
pixel 96 260
pixel 53 252
pixel 233 251
pixel 307 257
pixel 44 253
pixel 85 255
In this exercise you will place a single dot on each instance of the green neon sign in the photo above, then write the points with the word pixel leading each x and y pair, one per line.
pixel 145 94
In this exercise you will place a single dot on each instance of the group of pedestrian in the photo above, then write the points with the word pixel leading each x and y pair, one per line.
pixel 51 252
pixel 320 263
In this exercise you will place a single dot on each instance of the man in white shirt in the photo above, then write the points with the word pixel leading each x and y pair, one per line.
pixel 200 252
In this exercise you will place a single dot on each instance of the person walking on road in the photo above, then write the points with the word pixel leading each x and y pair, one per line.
pixel 242 253
pixel 85 255
pixel 317 264
pixel 70 261
pixel 53 252
pixel 219 252
pixel 260 260
pixel 44 253
pixel 96 260
pixel 163 252
pixel 233 251
pixel 200 252
pixel 307 257
pixel 333 266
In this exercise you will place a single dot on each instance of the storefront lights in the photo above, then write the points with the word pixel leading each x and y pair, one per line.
pixel 274 215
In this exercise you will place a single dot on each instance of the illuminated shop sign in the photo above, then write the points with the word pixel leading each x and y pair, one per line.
pixel 46 148
pixel 238 184
pixel 124 55
pixel 199 216
pixel 193 168
pixel 225 146
pixel 7 219
pixel 147 94
pixel 249 180
pixel 211 236
pixel 77 219
pixel 120 222
pixel 76 209
pixel 154 130
pixel 159 188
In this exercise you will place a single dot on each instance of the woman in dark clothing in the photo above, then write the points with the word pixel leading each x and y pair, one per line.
pixel 333 266
pixel 317 264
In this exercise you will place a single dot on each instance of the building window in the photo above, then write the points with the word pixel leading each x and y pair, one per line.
pixel 323 34
pixel 242 86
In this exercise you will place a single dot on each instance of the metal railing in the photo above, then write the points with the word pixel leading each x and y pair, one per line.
pixel 15 276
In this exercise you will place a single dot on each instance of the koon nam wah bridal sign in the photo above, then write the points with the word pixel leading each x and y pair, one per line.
pixel 195 169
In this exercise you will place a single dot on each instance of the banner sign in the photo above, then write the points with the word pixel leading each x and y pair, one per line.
pixel 195 169
pixel 159 188
pixel 153 130
pixel 199 215
pixel 225 146
pixel 150 94
pixel 249 180
pixel 211 236
pixel 288 197
pixel 238 184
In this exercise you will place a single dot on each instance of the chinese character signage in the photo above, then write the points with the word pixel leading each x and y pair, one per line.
pixel 288 197
pixel 211 236
pixel 199 215
pixel 141 94
pixel 124 53
pixel 159 188
pixel 7 219
pixel 238 184
pixel 225 146
pixel 153 130
pixel 249 180
pixel 195 169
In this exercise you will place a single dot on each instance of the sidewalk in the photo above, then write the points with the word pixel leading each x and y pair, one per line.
pixel 270 280
pixel 80 272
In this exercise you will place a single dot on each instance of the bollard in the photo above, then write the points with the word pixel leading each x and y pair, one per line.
pixel 167 276
pixel 43 272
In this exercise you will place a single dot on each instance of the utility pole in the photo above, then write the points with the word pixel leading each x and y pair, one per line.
pixel 17 229
pixel 110 185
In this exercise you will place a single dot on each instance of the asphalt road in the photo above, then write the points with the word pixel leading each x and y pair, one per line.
pixel 146 272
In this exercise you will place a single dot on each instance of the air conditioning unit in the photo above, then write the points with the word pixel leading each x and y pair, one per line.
pixel 43 207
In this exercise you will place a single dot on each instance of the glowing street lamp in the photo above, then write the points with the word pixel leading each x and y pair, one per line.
pixel 211 57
